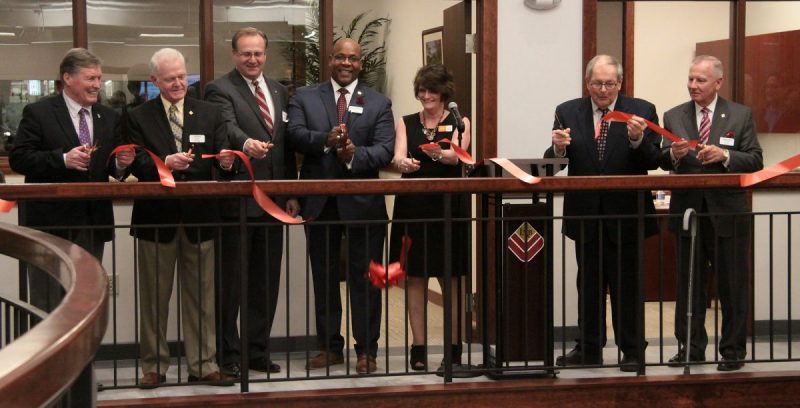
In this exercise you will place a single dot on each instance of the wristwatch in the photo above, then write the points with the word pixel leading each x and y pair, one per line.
pixel 727 154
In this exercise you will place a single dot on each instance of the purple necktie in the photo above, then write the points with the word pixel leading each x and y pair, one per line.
pixel 83 128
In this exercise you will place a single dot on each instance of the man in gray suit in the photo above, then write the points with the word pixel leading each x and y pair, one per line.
pixel 254 110
pixel 727 144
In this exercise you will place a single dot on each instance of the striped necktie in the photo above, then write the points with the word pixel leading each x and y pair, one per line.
pixel 705 126
pixel 262 105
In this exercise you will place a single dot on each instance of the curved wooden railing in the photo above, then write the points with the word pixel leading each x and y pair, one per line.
pixel 40 365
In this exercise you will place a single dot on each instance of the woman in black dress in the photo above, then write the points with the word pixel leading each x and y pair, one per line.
pixel 433 87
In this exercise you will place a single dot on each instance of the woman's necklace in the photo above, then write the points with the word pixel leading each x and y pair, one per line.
pixel 430 133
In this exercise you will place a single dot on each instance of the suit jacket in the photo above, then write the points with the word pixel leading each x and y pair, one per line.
pixel 731 120
pixel 312 114
pixel 148 126
pixel 620 159
pixel 45 133
pixel 243 120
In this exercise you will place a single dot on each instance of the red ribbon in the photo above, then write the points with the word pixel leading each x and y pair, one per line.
pixel 515 171
pixel 618 116
pixel 747 180
pixel 262 199
pixel 6 206
pixel 377 273
pixel 163 171
pixel 462 154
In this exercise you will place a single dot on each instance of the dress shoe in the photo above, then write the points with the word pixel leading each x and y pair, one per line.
pixel 578 357
pixel 366 364
pixel 729 364
pixel 264 365
pixel 678 360
pixel 215 379
pixel 152 380
pixel 324 359
pixel 629 363
pixel 232 370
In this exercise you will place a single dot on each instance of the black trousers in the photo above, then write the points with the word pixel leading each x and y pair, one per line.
pixel 263 246
pixel 605 264
pixel 728 258
pixel 364 243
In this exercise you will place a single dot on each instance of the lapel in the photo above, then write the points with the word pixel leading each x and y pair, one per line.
pixel 244 90
pixel 277 105
pixel 351 117
pixel 162 122
pixel 617 132
pixel 586 122
pixel 720 121
pixel 328 101
pixel 690 121
pixel 189 121
pixel 65 121
pixel 99 124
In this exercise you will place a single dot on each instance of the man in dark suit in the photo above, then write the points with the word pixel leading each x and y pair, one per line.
pixel 67 138
pixel 178 130
pixel 346 131
pixel 606 249
pixel 728 144
pixel 254 109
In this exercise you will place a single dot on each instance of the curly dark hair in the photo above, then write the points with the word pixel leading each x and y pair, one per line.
pixel 435 78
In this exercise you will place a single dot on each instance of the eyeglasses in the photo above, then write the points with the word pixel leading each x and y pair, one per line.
pixel 250 54
pixel 599 85
pixel 341 58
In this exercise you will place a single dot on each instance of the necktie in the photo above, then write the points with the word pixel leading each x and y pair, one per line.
pixel 341 105
pixel 705 126
pixel 601 141
pixel 176 124
pixel 83 128
pixel 262 105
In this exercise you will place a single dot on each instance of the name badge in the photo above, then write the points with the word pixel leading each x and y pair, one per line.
pixel 726 141
pixel 356 109
pixel 445 128
pixel 285 116
pixel 197 138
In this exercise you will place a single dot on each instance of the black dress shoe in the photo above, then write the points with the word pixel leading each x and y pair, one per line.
pixel 629 363
pixel 729 364
pixel 678 360
pixel 578 357
pixel 264 365
pixel 231 369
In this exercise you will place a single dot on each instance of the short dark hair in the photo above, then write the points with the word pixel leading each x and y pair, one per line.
pixel 248 31
pixel 76 59
pixel 435 78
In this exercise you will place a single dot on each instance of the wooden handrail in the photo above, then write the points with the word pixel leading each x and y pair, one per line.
pixel 385 186
pixel 41 364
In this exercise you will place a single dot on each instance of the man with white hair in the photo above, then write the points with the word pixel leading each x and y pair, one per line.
pixel 178 129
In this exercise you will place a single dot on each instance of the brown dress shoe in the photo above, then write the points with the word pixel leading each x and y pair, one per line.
pixel 152 380
pixel 215 378
pixel 366 364
pixel 324 359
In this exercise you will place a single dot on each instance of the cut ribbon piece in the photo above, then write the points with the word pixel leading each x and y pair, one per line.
pixel 462 154
pixel 164 174
pixel 515 171
pixel 747 180
pixel 262 199
pixel 377 273
pixel 6 206
pixel 618 116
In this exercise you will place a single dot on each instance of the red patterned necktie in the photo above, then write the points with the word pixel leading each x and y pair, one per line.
pixel 262 105
pixel 601 141
pixel 705 126
pixel 341 105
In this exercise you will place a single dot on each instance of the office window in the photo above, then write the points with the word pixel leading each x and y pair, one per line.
pixel 34 36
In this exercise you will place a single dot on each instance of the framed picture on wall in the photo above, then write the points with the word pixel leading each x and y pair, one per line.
pixel 432 46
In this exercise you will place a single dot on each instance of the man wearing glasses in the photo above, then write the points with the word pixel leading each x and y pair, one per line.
pixel 605 244
pixel 254 110
pixel 345 131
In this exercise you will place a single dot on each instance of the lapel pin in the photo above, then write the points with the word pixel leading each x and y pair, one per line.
pixel 98 116
pixel 191 113
pixel 722 116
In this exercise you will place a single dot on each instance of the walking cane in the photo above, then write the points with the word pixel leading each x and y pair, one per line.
pixel 689 220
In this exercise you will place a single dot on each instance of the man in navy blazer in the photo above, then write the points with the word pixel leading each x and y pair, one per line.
pixel 605 249
pixel 170 126
pixel 723 239
pixel 345 131
pixel 48 149
pixel 254 110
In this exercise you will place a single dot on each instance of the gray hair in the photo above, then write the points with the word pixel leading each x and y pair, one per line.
pixel 715 63
pixel 605 60
pixel 164 54
pixel 76 59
